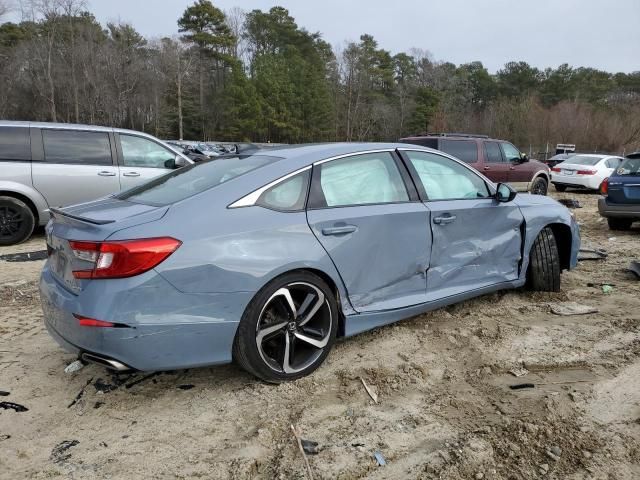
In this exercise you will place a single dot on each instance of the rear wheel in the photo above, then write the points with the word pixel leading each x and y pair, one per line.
pixel 543 274
pixel 539 186
pixel 288 329
pixel 560 188
pixel 16 221
pixel 619 223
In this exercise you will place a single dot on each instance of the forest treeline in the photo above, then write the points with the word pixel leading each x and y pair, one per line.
pixel 259 76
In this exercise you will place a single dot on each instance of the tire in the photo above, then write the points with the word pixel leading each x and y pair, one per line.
pixel 619 223
pixel 539 186
pixel 543 274
pixel 560 188
pixel 16 221
pixel 269 324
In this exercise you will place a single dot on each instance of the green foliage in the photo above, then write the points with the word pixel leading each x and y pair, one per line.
pixel 427 101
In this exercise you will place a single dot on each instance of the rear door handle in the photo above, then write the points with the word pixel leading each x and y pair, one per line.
pixel 131 174
pixel 339 230
pixel 444 220
pixel 107 174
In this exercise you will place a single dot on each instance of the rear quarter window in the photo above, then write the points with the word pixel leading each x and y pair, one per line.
pixel 15 144
pixel 465 150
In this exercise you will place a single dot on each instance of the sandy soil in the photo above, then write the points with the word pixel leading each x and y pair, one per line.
pixel 445 408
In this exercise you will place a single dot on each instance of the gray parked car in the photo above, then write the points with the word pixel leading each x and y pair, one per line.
pixel 297 246
pixel 46 165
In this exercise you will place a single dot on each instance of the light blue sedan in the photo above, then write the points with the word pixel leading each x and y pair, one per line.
pixel 267 258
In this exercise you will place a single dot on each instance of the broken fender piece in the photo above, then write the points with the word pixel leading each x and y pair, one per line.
pixel 571 308
pixel 13 406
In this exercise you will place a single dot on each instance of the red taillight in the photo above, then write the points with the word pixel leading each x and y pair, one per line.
pixel 91 322
pixel 604 187
pixel 586 172
pixel 120 259
pixel 555 169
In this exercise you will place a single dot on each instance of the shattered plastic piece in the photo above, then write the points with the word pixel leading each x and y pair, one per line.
pixel 13 406
pixel 380 459
pixel 606 289
pixel 371 393
pixel 634 267
pixel 59 453
pixel 570 203
pixel 186 387
pixel 310 447
pixel 592 254
pixel 518 371
pixel 571 308
pixel 3 393
pixel 74 367
pixel 25 257
pixel 520 386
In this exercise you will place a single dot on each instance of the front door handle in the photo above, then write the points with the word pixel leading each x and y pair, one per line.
pixel 107 174
pixel 131 174
pixel 486 168
pixel 512 168
pixel 339 230
pixel 444 220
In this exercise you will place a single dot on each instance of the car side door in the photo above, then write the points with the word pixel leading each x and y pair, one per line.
pixel 520 172
pixel 365 212
pixel 477 240
pixel 142 159
pixel 73 166
pixel 496 167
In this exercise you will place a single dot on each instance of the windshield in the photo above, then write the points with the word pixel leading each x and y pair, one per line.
pixel 193 179
pixel 631 166
pixel 584 160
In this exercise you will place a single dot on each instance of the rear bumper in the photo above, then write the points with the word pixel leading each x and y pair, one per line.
pixel 607 209
pixel 167 331
pixel 576 181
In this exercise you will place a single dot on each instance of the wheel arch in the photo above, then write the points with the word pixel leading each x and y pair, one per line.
pixel 541 174
pixel 564 240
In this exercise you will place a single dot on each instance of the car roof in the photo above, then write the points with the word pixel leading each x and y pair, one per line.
pixel 71 126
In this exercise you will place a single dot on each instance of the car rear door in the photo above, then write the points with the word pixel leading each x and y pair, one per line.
pixel 477 241
pixel 365 212
pixel 142 159
pixel 74 166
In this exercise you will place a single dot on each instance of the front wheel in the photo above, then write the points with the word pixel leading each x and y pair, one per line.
pixel 288 328
pixel 539 186
pixel 543 274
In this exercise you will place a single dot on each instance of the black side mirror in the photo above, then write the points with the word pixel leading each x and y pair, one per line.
pixel 505 193
pixel 524 158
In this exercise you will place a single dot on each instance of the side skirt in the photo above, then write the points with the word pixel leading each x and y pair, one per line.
pixel 363 322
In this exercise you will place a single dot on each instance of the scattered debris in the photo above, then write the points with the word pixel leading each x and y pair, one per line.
pixel 592 254
pixel 4 437
pixel 80 394
pixel 634 267
pixel 591 284
pixel 371 393
pixel 557 451
pixel 98 404
pixel 186 387
pixel 552 455
pixel 571 308
pixel 296 435
pixel 310 447
pixel 520 386
pixel 606 289
pixel 74 366
pixel 25 257
pixel 3 393
pixel 380 459
pixel 140 380
pixel 518 371
pixel 59 453
pixel 570 202
pixel 13 406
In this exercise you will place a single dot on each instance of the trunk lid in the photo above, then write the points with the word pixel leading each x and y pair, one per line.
pixel 89 222
pixel 624 189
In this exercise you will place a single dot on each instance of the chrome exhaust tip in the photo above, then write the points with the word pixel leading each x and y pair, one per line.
pixel 105 362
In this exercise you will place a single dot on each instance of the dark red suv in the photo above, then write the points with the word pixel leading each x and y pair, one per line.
pixel 498 160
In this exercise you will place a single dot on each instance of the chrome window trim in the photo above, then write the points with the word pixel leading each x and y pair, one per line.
pixel 251 199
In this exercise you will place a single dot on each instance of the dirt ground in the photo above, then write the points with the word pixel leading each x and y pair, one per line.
pixel 445 409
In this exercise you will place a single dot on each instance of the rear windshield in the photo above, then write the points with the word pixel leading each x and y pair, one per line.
pixel 584 160
pixel 188 181
pixel 465 150
pixel 631 166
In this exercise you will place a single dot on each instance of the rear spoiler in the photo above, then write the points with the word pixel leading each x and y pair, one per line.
pixel 57 211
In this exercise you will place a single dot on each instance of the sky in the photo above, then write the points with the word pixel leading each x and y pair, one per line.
pixel 545 33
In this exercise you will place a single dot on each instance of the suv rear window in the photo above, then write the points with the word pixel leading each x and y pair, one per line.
pixel 583 160
pixel 465 150
pixel 76 147
pixel 15 144
pixel 189 181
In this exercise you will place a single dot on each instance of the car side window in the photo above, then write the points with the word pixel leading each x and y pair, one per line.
pixel 287 196
pixel 142 152
pixel 15 144
pixel 510 152
pixel 76 147
pixel 613 162
pixel 492 152
pixel 371 178
pixel 465 150
pixel 446 179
